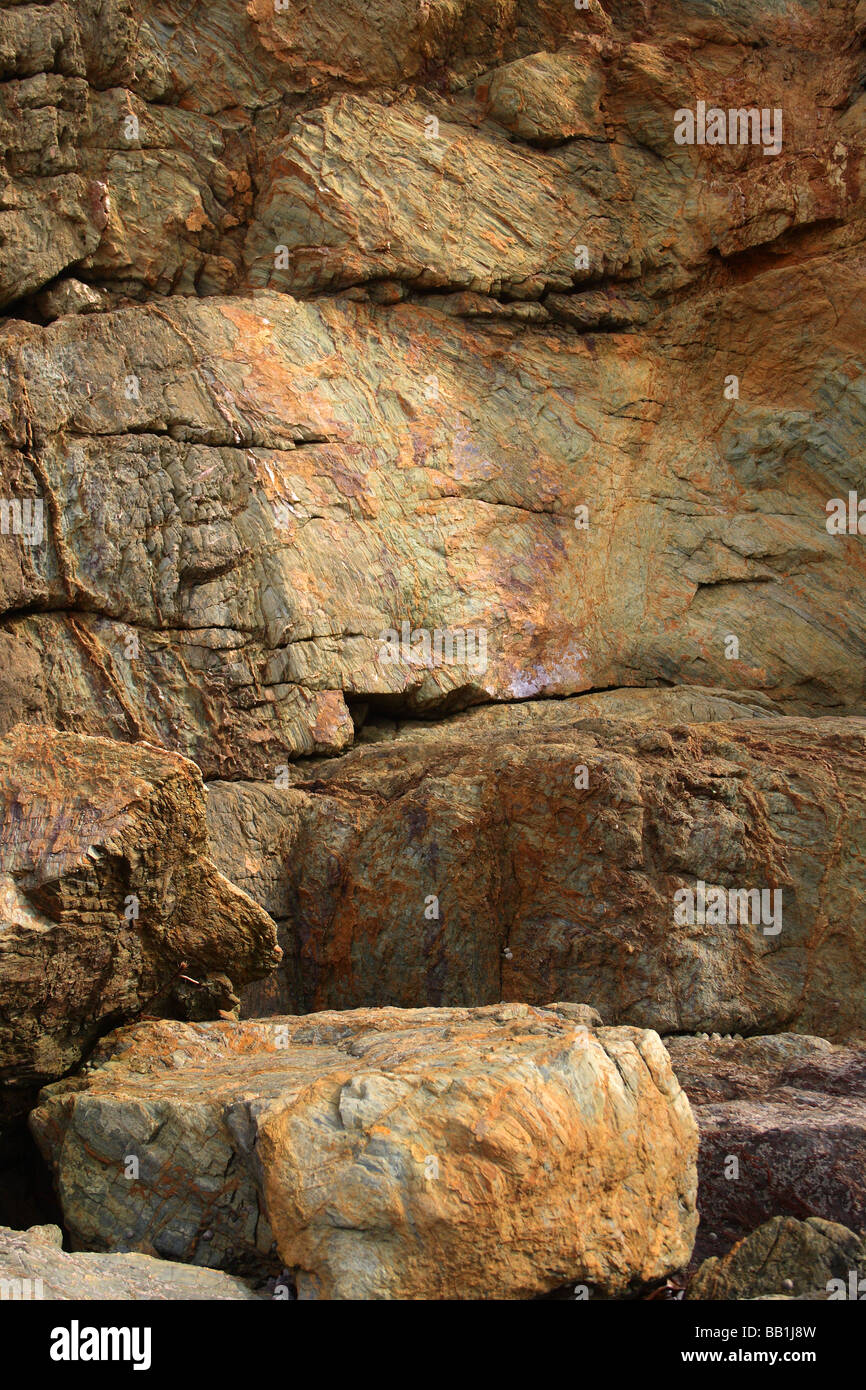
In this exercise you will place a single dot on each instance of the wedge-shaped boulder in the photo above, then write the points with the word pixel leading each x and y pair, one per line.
pixel 383 1154
pixel 109 903
pixel 33 1266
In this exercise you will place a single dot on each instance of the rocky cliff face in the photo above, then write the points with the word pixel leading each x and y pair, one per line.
pixel 339 364
pixel 439 427
pixel 483 861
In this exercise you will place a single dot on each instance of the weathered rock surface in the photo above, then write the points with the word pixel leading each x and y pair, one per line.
pixel 468 864
pixel 444 145
pixel 787 1258
pixel 241 494
pixel 489 1153
pixel 109 903
pixel 34 1266
pixel 329 325
pixel 234 514
pixel 782 1125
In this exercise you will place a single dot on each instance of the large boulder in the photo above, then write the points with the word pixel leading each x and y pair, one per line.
pixel 536 854
pixel 34 1266
pixel 383 1154
pixel 110 905
pixel 782 1124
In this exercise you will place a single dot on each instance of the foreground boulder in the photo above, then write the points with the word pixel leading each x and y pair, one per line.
pixel 34 1266
pixel 383 1154
pixel 109 903
pixel 536 854
pixel 786 1258
pixel 782 1125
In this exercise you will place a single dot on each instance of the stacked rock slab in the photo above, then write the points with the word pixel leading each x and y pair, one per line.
pixel 489 1153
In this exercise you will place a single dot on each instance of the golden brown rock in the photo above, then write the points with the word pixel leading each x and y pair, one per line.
pixel 384 1154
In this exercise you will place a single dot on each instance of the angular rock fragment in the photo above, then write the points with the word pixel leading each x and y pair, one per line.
pixel 786 1258
pixel 33 1266
pixel 109 904
pixel 682 877
pixel 383 1154
pixel 782 1125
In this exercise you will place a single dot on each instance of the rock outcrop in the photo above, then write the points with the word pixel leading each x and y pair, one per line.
pixel 110 905
pixel 489 1153
pixel 33 1266
pixel 438 426
pixel 222 518
pixel 542 859
pixel 437 324
pixel 782 1125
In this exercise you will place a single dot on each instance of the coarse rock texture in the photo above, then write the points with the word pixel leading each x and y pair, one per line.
pixel 785 1257
pixel 450 145
pixel 384 1154
pixel 470 864
pixel 34 1266
pixel 241 498
pixel 782 1125
pixel 109 903
pixel 359 372
pixel 302 347
pixel 398 421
